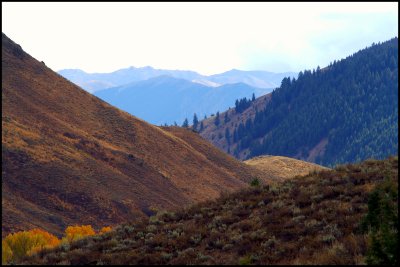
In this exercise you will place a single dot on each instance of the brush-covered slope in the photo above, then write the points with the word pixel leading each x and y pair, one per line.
pixel 283 167
pixel 313 219
pixel 346 112
pixel 70 158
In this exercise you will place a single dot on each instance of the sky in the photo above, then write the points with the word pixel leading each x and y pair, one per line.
pixel 208 37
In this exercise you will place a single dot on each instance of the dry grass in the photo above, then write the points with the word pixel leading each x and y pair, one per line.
pixel 282 168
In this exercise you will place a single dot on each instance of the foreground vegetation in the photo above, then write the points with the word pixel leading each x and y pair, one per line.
pixel 18 245
pixel 313 219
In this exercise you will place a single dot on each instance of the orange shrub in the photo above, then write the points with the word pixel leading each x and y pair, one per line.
pixel 18 245
pixel 105 229
pixel 6 253
pixel 77 232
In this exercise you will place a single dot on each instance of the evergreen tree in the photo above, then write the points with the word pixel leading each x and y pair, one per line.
pixel 217 120
pixel 227 135
pixel 226 119
pixel 201 126
pixel 253 97
pixel 185 123
pixel 195 121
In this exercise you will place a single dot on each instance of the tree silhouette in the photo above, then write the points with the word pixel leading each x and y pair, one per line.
pixel 185 123
pixel 195 121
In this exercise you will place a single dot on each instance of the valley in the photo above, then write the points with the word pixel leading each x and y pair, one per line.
pixel 261 165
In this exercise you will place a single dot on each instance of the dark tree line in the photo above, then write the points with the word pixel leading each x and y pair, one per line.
pixel 243 104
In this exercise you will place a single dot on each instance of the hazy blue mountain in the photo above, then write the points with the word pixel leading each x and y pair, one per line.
pixel 93 82
pixel 261 79
pixel 166 99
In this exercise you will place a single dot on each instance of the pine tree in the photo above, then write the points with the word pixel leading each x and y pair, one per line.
pixel 226 119
pixel 253 97
pixel 185 123
pixel 195 121
pixel 227 135
pixel 201 126
pixel 217 121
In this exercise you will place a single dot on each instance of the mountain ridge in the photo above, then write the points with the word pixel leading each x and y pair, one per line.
pixel 259 79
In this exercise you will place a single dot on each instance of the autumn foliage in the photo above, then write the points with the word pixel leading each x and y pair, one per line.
pixel 105 229
pixel 18 245
pixel 77 232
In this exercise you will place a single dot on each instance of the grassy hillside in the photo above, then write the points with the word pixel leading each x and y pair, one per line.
pixel 68 157
pixel 315 219
pixel 283 167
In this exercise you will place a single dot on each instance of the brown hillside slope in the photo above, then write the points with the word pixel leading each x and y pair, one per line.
pixel 283 167
pixel 68 157
pixel 308 220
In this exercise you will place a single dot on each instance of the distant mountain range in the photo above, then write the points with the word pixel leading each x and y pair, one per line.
pixel 93 82
pixel 165 99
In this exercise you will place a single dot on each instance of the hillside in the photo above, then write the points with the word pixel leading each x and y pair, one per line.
pixel 345 112
pixel 283 167
pixel 166 99
pixel 69 158
pixel 315 219
pixel 230 120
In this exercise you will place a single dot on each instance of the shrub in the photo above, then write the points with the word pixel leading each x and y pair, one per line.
pixel 6 253
pixel 73 233
pixel 245 260
pixel 381 223
pixel 20 244
pixel 105 229
pixel 255 182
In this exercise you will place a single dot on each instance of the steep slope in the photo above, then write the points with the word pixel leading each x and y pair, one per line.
pixel 345 112
pixel 310 220
pixel 165 99
pixel 283 167
pixel 221 135
pixel 70 158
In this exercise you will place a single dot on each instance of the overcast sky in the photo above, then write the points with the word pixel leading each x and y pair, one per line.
pixel 205 37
